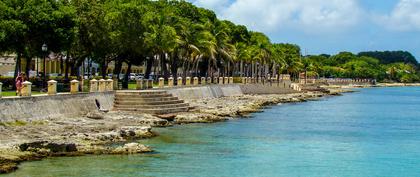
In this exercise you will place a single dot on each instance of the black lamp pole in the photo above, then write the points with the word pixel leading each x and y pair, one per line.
pixel 44 51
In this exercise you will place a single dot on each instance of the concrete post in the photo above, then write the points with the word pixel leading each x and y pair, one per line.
pixel 226 80
pixel 52 87
pixel 150 84
pixel 248 80
pixel 259 80
pixel 139 84
pixel 114 84
pixel 221 80
pixel 188 81
pixel 215 80
pixel 74 86
pixel 110 85
pixel 1 85
pixel 101 85
pixel 209 80
pixel 161 82
pixel 93 85
pixel 171 82
pixel 195 82
pixel 26 88
pixel 243 80
pixel 179 82
pixel 230 80
pixel 203 81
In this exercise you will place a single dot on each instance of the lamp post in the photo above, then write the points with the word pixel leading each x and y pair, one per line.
pixel 44 51
pixel 37 72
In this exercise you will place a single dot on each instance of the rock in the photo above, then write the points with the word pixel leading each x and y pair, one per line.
pixel 95 115
pixel 136 132
pixel 104 110
pixel 46 147
pixel 197 118
pixel 131 148
pixel 7 167
pixel 169 117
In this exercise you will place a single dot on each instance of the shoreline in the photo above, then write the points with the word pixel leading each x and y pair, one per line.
pixel 98 133
pixel 372 86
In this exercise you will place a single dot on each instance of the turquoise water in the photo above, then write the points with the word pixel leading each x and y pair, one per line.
pixel 375 132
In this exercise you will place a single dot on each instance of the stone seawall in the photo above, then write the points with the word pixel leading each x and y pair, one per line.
pixel 217 91
pixel 38 108
pixel 47 107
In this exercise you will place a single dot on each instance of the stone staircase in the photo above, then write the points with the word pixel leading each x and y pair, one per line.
pixel 149 101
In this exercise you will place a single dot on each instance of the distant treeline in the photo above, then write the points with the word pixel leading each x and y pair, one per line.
pixel 387 57
pixel 387 66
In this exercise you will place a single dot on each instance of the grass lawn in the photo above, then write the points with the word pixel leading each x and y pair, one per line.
pixel 132 86
pixel 13 93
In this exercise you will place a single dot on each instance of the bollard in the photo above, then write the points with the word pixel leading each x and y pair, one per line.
pixel 248 80
pixel 139 84
pixel 195 82
pixel 215 80
pixel 161 82
pixel 110 85
pixel 171 82
pixel 188 81
pixel 209 80
pixel 101 85
pixel 146 83
pixel 203 81
pixel 226 80
pixel 114 84
pixel 93 85
pixel 149 84
pixel 26 88
pixel 230 80
pixel 74 86
pixel 1 85
pixel 52 87
pixel 179 81
pixel 259 80
pixel 221 80
pixel 243 80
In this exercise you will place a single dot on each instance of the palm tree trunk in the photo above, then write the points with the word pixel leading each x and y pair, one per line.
pixel 148 68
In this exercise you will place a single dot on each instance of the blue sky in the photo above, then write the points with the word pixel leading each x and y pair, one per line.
pixel 329 26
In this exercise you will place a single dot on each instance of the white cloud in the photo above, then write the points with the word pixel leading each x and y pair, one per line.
pixel 404 17
pixel 306 15
pixel 216 5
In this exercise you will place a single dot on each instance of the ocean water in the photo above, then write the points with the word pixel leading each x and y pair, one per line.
pixel 374 132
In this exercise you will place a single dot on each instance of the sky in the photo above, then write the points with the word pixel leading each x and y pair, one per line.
pixel 328 26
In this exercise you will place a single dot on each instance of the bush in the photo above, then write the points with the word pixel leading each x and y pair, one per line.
pixel 7 81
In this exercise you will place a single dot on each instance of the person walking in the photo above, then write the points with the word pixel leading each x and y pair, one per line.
pixel 19 82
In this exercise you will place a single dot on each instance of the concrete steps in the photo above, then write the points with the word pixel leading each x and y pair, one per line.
pixel 150 102
pixel 155 106
pixel 156 111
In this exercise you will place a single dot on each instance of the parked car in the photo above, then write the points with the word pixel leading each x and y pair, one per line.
pixel 133 76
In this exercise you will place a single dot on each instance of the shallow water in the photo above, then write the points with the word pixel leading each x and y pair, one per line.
pixel 375 132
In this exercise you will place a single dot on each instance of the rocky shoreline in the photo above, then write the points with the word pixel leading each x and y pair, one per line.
pixel 117 132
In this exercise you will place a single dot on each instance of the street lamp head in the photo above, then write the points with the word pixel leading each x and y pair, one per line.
pixel 44 47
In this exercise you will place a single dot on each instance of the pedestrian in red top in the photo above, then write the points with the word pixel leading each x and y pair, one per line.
pixel 19 81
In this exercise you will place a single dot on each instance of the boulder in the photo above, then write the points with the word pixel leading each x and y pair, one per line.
pixel 135 131
pixel 95 115
pixel 131 148
pixel 46 146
